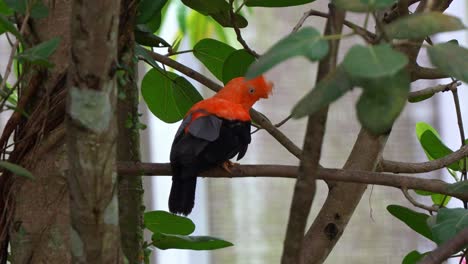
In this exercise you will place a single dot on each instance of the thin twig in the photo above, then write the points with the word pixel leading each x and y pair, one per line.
pixel 406 167
pixel 432 90
pixel 288 171
pixel 278 125
pixel 238 32
pixel 178 52
pixel 416 203
pixel 367 35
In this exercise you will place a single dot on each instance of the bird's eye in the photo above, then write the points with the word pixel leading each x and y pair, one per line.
pixel 251 90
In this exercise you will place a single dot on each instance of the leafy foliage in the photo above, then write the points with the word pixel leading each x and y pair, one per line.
pixel 172 231
pixel 276 3
pixel 306 42
pixel 16 169
pixel 40 53
pixel 168 95
pixel 422 25
pixel 363 5
pixel 448 223
pixel 414 220
pixel 212 53
pixel 450 59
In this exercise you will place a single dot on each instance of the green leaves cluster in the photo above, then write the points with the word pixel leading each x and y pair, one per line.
pixel 222 60
pixel 173 231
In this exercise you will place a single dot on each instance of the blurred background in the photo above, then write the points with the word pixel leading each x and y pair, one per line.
pixel 253 213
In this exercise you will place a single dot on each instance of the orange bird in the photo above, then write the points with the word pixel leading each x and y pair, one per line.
pixel 213 131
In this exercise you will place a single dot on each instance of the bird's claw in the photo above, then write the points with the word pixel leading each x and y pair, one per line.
pixel 228 165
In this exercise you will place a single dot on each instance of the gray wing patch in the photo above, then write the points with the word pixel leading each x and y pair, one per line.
pixel 206 127
pixel 185 122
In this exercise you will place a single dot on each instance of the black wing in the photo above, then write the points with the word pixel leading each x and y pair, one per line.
pixel 209 142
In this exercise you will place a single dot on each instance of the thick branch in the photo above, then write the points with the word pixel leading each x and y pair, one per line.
pixel 419 72
pixel 256 116
pixel 445 250
pixel 288 171
pixel 405 167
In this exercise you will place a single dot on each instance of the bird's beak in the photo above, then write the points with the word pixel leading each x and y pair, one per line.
pixel 269 89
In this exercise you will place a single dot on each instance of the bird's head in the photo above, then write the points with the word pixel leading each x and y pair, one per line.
pixel 246 92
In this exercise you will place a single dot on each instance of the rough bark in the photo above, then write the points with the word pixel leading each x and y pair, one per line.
pixel 39 213
pixel 128 147
pixel 91 132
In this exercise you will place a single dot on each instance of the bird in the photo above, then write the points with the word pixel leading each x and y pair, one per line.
pixel 212 132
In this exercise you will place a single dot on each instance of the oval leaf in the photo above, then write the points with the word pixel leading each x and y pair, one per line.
pixel 327 91
pixel 432 144
pixel 449 222
pixel 236 64
pixel 373 61
pixel 213 54
pixel 413 257
pixel 148 9
pixel 40 53
pixel 306 42
pixel 363 5
pixel 382 101
pixel 276 3
pixel 451 59
pixel 168 95
pixel 16 169
pixel 165 222
pixel 414 220
pixel 422 25
pixel 165 241
pixel 145 37
pixel 207 7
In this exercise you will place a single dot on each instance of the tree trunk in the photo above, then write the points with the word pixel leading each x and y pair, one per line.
pixel 91 132
pixel 128 148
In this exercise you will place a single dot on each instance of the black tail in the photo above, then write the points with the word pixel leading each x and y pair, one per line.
pixel 182 196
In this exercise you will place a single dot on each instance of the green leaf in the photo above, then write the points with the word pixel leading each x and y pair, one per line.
pixel 433 146
pixel 165 241
pixel 16 169
pixel 327 91
pixel 422 25
pixel 145 37
pixel 306 42
pixel 142 53
pixel 382 101
pixel 414 220
pixel 451 59
pixel 154 22
pixel 40 53
pixel 374 61
pixel 413 257
pixel 363 5
pixel 165 222
pixel 218 10
pixel 449 222
pixel 6 25
pixel 224 19
pixel 420 98
pixel 207 7
pixel 236 64
pixel 459 187
pixel 440 199
pixel 276 3
pixel 38 9
pixel 4 9
pixel 213 54
pixel 168 95
pixel 148 9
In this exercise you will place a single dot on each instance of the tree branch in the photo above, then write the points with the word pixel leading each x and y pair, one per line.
pixel 305 187
pixel 256 116
pixel 367 35
pixel 238 32
pixel 289 171
pixel 420 72
pixel 445 250
pixel 416 203
pixel 405 167
pixel 432 90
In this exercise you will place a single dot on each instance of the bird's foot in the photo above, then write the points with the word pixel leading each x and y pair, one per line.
pixel 228 165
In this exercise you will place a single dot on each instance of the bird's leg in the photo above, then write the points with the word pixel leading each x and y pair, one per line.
pixel 228 165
